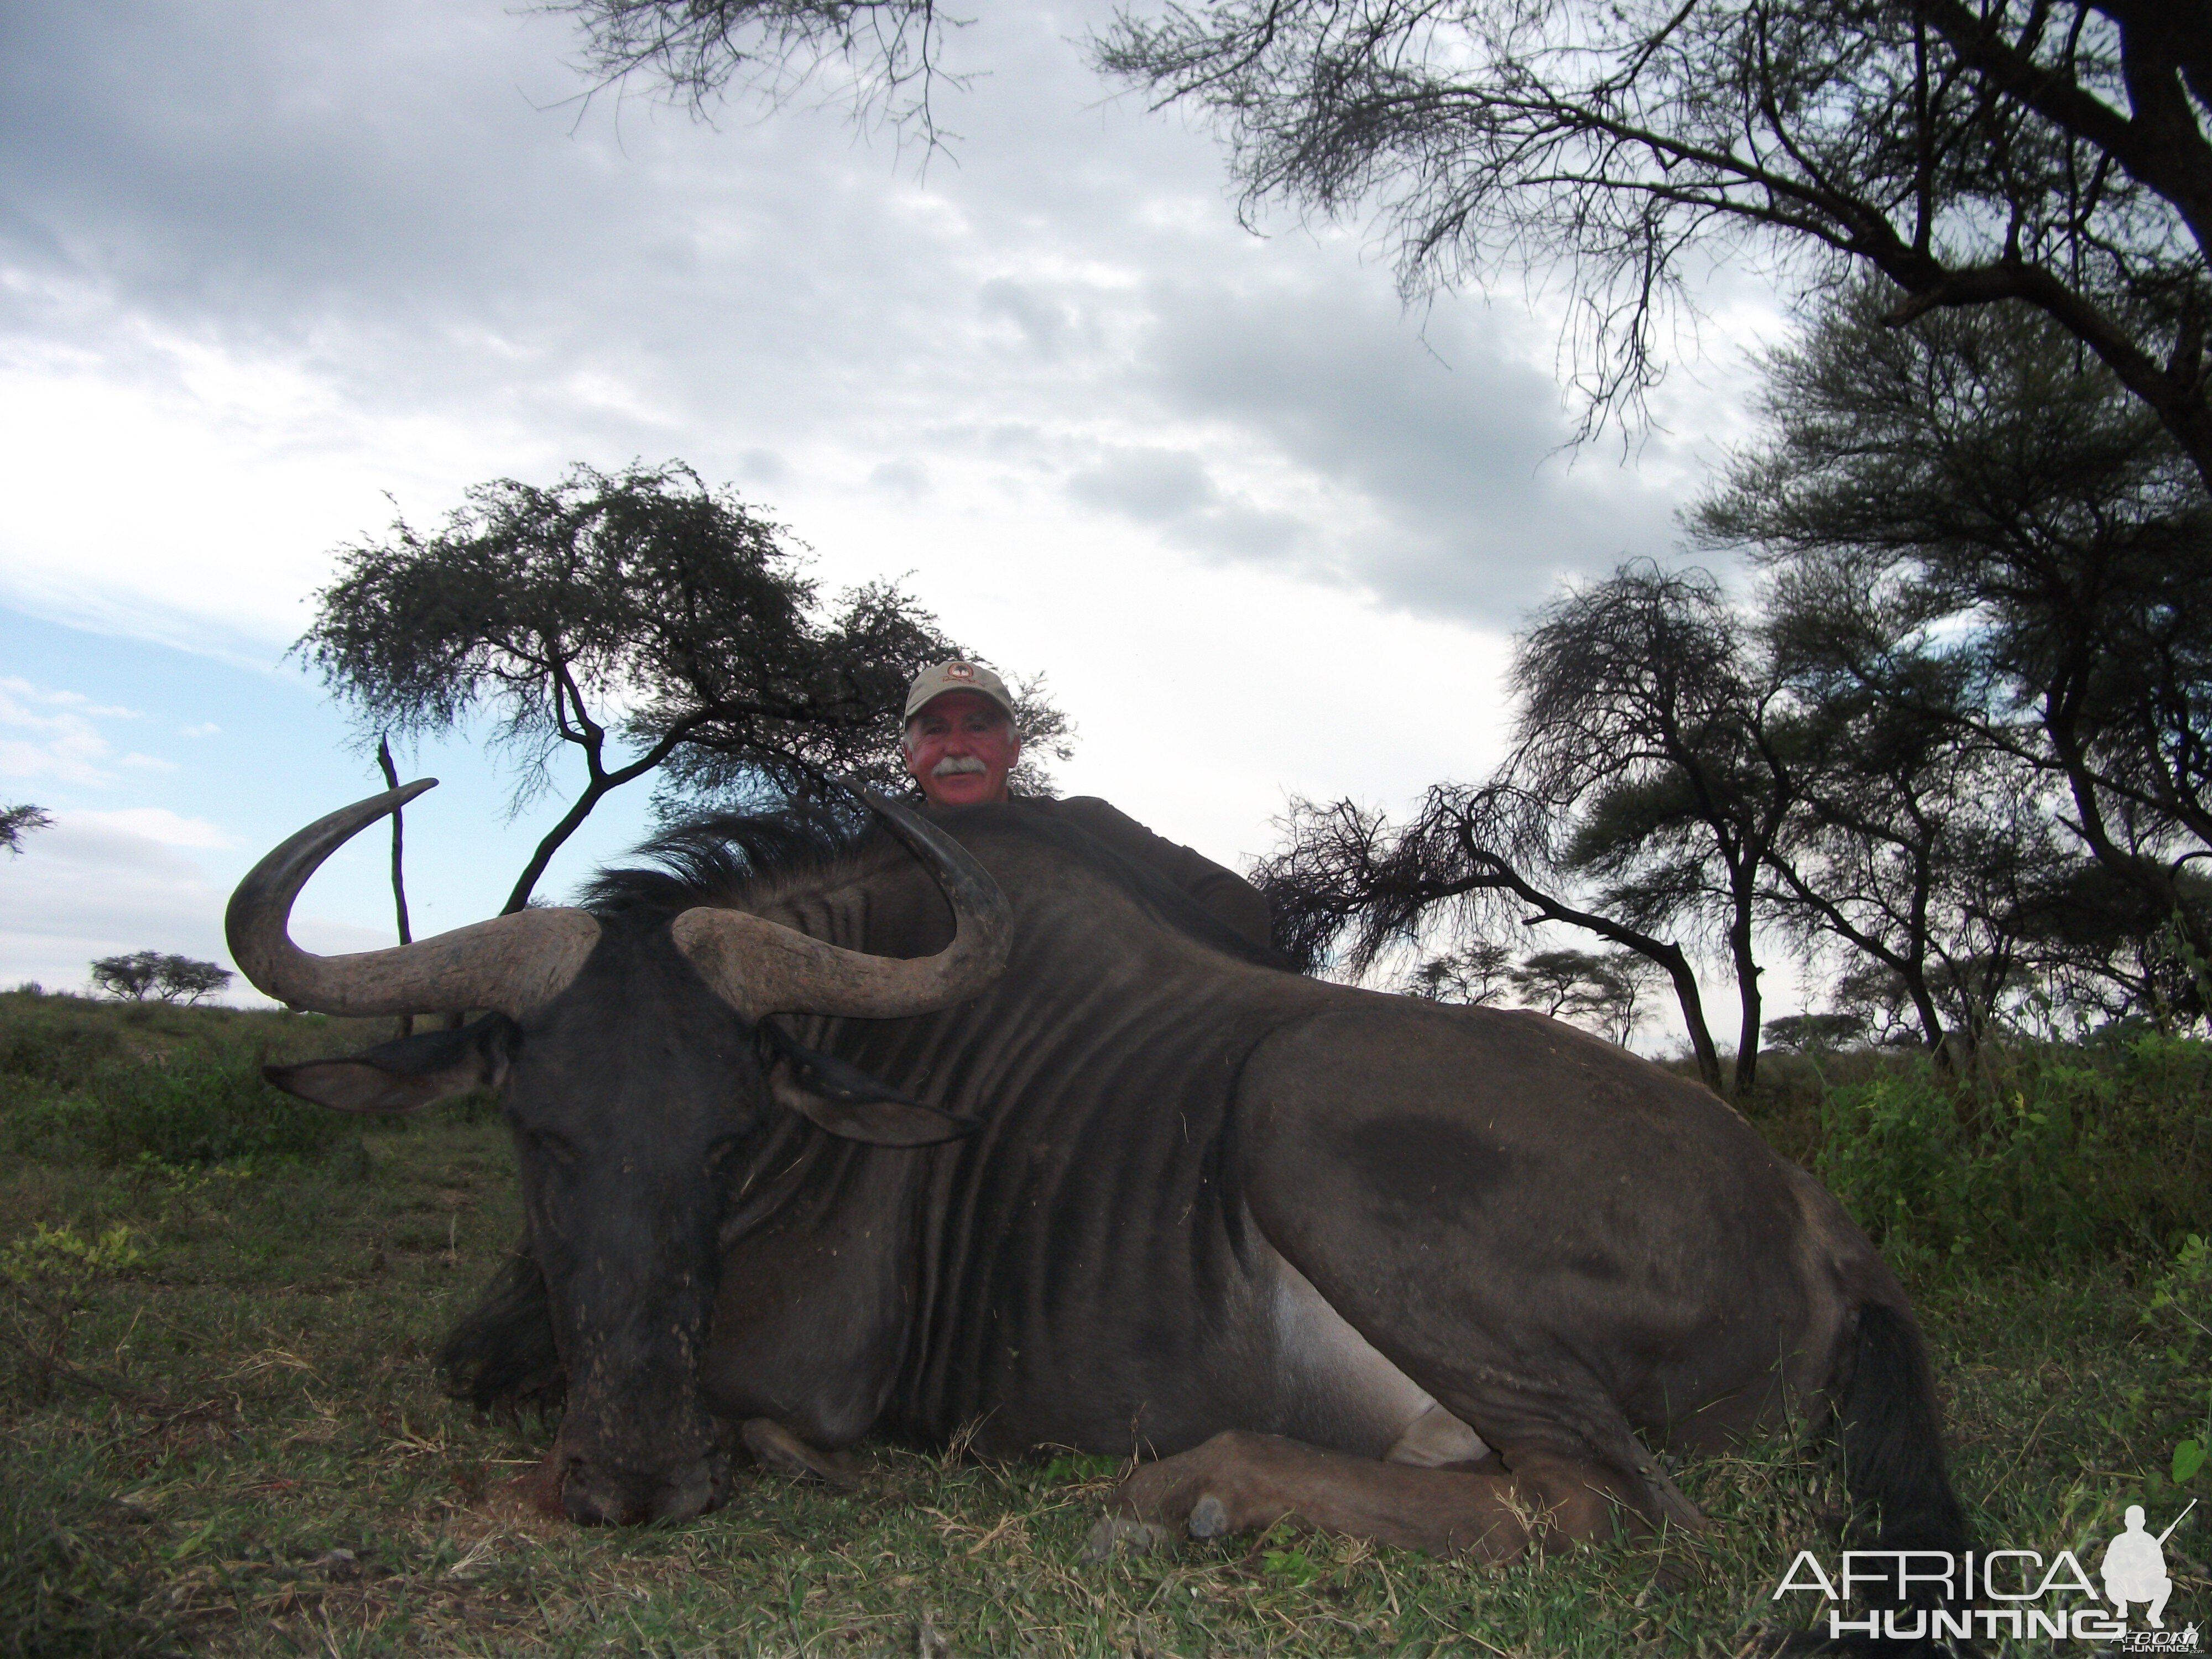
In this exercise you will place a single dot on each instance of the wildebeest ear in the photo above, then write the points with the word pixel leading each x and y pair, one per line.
pixel 407 1073
pixel 846 1101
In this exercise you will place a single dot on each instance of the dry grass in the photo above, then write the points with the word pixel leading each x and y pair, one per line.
pixel 246 1454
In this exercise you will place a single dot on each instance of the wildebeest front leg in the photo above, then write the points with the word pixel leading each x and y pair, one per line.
pixel 779 1451
pixel 1239 1482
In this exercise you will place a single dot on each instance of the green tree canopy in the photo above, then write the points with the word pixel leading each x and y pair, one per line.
pixel 639 620
pixel 1975 531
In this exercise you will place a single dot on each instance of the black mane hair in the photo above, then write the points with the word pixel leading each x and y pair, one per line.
pixel 718 854
pixel 715 855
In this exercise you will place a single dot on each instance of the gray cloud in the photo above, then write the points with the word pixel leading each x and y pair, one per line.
pixel 1152 486
pixel 399 200
pixel 1457 448
pixel 1043 324
pixel 1171 490
pixel 901 479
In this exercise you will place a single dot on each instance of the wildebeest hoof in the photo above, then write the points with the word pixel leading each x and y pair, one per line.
pixel 779 1451
pixel 1209 1518
pixel 1116 1533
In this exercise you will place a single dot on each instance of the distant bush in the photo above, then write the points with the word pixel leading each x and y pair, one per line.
pixel 2044 1155
pixel 212 1108
pixel 87 1080
pixel 169 976
pixel 2181 1309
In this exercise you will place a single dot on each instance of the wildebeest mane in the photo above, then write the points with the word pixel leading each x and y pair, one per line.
pixel 1155 895
pixel 717 855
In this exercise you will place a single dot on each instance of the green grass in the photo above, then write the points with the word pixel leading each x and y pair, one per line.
pixel 254 1393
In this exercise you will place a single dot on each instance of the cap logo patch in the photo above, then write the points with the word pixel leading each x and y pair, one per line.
pixel 959 671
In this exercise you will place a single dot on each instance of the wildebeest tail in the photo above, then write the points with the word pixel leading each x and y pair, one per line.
pixel 501 1356
pixel 1892 1446
pixel 1892 1440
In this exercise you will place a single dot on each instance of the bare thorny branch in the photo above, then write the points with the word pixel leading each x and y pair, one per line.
pixel 886 56
pixel 1940 143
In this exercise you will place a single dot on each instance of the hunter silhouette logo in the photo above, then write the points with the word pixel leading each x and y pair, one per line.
pixel 2134 1566
pixel 1909 1595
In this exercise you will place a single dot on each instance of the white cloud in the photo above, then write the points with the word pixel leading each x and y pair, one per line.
pixel 63 745
pixel 158 825
pixel 219 252
pixel 286 258
pixel 96 884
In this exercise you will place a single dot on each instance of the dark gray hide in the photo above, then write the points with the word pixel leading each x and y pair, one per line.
pixel 1206 1195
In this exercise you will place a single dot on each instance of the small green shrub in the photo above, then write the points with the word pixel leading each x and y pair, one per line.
pixel 206 1108
pixel 2043 1156
pixel 47 1273
pixel 54 1054
pixel 2181 1305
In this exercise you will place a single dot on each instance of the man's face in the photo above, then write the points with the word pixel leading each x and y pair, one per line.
pixel 960 748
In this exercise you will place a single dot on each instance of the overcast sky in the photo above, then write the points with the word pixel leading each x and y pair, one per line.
pixel 264 263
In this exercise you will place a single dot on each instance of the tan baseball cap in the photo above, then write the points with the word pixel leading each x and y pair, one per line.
pixel 934 682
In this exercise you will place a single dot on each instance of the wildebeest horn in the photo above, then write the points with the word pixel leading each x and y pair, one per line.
pixel 760 967
pixel 510 963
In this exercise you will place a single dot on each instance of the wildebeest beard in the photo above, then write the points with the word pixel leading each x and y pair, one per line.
pixel 624 1160
pixel 953 765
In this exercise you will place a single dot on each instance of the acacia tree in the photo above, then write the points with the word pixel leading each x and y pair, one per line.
pixel 176 976
pixel 2049 152
pixel 1638 804
pixel 1895 799
pixel 128 976
pixel 1607 987
pixel 1645 721
pixel 17 822
pixel 1473 860
pixel 630 619
pixel 1473 976
pixel 2027 555
pixel 166 974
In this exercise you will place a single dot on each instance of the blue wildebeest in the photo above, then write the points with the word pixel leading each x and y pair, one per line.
pixel 802 1161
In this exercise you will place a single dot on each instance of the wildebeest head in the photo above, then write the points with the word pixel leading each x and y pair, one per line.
pixel 636 1065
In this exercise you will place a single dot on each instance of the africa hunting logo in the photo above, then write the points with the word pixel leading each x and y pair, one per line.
pixel 2006 1593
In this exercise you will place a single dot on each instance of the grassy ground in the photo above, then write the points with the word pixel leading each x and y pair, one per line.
pixel 234 1443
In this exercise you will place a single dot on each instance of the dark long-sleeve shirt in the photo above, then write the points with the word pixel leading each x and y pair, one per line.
pixel 1223 894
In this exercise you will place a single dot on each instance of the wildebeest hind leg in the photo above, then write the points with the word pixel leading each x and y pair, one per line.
pixel 1472 1251
pixel 1239 1482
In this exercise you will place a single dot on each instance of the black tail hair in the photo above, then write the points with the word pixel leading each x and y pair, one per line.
pixel 1892 1440
pixel 1893 1444
pixel 501 1357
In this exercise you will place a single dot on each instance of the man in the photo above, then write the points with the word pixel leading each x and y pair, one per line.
pixel 961 744
pixel 2134 1568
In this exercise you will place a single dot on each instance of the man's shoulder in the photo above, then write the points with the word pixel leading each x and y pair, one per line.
pixel 1091 812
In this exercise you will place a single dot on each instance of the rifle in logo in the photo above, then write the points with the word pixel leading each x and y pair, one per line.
pixel 2134 1566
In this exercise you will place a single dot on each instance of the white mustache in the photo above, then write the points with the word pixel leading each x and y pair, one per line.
pixel 952 765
